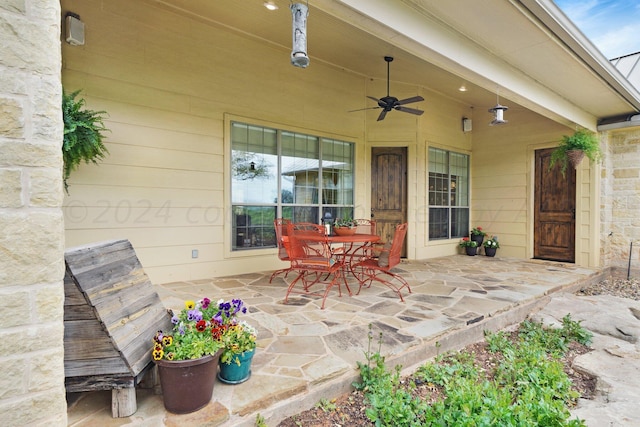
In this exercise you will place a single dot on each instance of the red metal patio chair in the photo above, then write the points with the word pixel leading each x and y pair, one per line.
pixel 378 262
pixel 310 255
pixel 282 239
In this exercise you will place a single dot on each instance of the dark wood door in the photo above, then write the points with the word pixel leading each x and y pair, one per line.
pixel 389 190
pixel 555 210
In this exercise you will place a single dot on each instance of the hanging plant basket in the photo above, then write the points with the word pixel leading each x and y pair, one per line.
pixel 575 157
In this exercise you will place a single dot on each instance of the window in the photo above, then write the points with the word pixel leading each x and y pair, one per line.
pixel 448 194
pixel 281 174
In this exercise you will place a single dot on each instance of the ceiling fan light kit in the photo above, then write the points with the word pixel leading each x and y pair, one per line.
pixel 388 103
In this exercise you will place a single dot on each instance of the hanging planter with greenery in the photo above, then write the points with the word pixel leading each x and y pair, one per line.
pixel 83 134
pixel 574 147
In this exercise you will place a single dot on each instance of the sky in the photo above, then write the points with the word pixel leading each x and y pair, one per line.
pixel 612 25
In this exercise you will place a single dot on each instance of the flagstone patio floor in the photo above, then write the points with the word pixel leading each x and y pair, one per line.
pixel 306 354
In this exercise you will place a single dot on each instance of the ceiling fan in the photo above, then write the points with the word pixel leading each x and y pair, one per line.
pixel 388 103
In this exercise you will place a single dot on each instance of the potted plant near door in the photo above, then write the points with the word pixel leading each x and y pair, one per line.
pixel 490 246
pixel 187 357
pixel 469 246
pixel 477 235
pixel 574 147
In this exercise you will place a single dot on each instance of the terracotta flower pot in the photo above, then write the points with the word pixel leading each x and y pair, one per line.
pixel 187 385
pixel 344 231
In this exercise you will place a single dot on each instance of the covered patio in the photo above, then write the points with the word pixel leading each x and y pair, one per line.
pixel 306 354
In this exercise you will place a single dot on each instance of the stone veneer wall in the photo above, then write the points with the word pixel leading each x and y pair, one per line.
pixel 31 223
pixel 620 219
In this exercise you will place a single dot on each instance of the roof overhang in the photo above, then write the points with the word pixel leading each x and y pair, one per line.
pixel 528 50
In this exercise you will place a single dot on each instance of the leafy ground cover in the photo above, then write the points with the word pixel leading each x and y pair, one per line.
pixel 493 381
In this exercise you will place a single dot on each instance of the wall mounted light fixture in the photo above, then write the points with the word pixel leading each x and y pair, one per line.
pixel 74 29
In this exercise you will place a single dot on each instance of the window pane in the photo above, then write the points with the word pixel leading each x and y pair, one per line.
pixel 254 164
pixel 459 222
pixel 253 227
pixel 438 223
pixel 448 188
pixel 300 168
pixel 337 172
pixel 291 173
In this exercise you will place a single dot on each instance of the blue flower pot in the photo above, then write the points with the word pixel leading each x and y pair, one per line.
pixel 232 373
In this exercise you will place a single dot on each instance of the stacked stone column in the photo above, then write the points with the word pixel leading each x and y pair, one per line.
pixel 31 223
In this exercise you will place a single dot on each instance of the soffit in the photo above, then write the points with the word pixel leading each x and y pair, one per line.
pixel 487 45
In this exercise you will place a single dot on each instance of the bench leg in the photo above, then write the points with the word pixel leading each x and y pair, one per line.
pixel 123 402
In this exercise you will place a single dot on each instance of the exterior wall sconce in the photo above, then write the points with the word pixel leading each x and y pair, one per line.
pixel 299 57
pixel 74 29
pixel 466 124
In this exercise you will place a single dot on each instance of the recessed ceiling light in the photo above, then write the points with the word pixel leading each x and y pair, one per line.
pixel 270 5
pixel 462 88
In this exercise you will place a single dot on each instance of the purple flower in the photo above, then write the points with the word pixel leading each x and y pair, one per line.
pixel 194 315
pixel 175 319
pixel 181 330
pixel 205 303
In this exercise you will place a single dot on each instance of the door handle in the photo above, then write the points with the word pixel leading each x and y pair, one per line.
pixel 573 213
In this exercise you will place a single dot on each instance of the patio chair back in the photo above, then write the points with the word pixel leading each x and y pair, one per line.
pixel 396 245
pixel 281 224
pixel 380 268
pixel 310 255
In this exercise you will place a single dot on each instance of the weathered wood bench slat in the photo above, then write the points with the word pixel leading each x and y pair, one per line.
pixel 98 368
pixel 113 313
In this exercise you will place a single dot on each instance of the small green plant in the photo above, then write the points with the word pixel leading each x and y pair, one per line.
pixel 491 243
pixel 581 140
pixel 468 243
pixel 260 421
pixel 345 222
pixel 83 133
pixel 327 405
pixel 529 386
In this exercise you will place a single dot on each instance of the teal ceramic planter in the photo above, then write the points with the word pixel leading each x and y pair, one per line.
pixel 232 373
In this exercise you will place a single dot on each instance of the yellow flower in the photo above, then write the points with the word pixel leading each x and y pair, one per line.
pixel 157 354
pixel 190 304
pixel 167 340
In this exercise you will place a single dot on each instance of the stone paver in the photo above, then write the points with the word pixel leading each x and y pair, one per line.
pixel 306 354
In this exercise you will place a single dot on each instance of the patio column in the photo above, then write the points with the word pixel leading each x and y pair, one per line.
pixel 31 223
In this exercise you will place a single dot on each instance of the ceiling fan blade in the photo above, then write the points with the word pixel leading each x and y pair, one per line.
pixel 382 114
pixel 362 109
pixel 375 99
pixel 410 100
pixel 409 110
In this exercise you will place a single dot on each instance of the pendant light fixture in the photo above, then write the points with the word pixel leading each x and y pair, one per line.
pixel 498 112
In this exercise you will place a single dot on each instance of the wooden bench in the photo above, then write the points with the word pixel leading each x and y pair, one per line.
pixel 111 313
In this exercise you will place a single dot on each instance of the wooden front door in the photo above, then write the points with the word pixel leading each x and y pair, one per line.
pixel 555 210
pixel 389 190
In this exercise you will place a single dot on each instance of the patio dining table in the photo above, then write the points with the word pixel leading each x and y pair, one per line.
pixel 351 246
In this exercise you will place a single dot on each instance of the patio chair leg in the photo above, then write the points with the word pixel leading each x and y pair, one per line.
pixel 282 270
